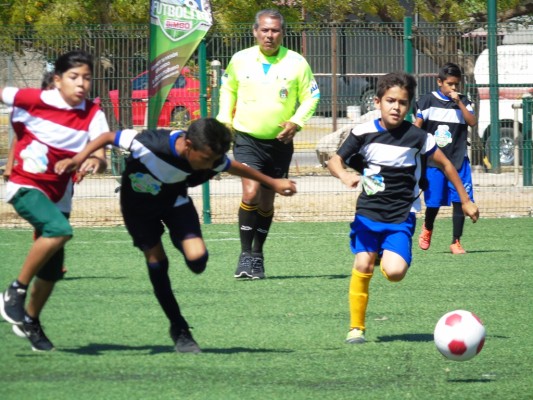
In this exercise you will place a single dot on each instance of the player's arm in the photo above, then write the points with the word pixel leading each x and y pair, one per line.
pixel 10 159
pixel 285 187
pixel 72 164
pixel 469 116
pixel 442 162
pixel 418 122
pixel 228 96
pixel 338 169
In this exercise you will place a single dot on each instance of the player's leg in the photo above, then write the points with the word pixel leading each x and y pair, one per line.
pixel 43 215
pixel 246 151
pixel 265 216
pixel 186 235
pixel 364 244
pixel 276 158
pixel 458 216
pixel 145 228
pixel 433 197
pixel 41 290
pixel 397 249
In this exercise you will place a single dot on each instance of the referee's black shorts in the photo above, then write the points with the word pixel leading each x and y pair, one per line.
pixel 270 156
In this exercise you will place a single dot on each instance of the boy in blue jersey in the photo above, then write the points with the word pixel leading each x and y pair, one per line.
pixel 161 168
pixel 387 153
pixel 446 114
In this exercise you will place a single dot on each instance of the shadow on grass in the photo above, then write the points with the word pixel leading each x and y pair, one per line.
pixel 482 380
pixel 96 349
pixel 269 277
pixel 77 278
pixel 235 350
pixel 407 337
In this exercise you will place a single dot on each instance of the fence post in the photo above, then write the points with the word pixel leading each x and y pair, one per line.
pixel 215 86
pixel 526 140
pixel 202 62
pixel 494 89
pixel 408 53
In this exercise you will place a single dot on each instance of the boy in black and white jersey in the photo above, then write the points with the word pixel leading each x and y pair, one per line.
pixel 446 114
pixel 161 167
pixel 384 224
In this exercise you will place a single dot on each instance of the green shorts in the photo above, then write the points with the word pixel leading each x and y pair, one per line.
pixel 41 213
pixel 48 221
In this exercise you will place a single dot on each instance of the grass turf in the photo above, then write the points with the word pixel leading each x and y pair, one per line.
pixel 281 338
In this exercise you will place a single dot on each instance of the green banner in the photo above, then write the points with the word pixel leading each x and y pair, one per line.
pixel 176 29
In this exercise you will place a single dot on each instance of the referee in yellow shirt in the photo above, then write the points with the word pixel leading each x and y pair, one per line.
pixel 268 92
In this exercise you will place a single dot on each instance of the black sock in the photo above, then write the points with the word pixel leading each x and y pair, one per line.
pixel 431 215
pixel 247 225
pixel 17 285
pixel 264 220
pixel 30 320
pixel 458 220
pixel 158 273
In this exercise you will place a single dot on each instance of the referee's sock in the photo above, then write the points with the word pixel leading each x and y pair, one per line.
pixel 247 225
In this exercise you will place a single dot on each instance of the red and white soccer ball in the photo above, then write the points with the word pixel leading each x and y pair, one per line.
pixel 459 335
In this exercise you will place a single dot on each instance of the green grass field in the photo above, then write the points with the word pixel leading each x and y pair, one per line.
pixel 281 338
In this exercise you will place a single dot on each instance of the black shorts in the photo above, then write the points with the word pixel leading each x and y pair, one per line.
pixel 271 156
pixel 147 226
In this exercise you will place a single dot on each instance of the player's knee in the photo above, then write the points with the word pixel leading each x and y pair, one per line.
pixel 395 275
pixel 198 265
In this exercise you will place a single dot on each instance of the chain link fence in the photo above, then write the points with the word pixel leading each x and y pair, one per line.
pixel 346 58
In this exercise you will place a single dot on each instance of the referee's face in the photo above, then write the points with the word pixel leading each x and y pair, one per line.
pixel 269 35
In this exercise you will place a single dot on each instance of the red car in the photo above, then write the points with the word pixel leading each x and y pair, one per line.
pixel 182 104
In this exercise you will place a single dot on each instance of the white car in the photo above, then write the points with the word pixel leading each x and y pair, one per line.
pixel 515 67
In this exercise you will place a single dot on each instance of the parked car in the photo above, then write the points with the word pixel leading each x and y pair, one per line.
pixel 351 90
pixel 181 106
pixel 515 69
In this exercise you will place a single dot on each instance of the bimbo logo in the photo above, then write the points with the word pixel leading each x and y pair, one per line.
pixel 179 18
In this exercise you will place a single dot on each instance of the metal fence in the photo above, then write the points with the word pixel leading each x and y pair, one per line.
pixel 347 59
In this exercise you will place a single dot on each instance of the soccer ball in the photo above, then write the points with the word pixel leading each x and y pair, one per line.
pixel 459 335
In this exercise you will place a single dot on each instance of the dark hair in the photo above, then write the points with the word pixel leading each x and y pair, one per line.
pixel 72 59
pixel 209 132
pixel 400 79
pixel 272 13
pixel 450 69
pixel 48 80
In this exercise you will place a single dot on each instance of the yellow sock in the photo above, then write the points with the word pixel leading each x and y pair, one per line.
pixel 358 298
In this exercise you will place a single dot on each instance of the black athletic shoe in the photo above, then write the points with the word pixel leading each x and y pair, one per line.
pixel 35 334
pixel 12 305
pixel 244 267
pixel 183 340
pixel 258 266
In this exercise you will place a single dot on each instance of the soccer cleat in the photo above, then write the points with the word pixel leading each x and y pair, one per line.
pixel 456 248
pixel 183 340
pixel 244 267
pixel 35 334
pixel 17 330
pixel 258 266
pixel 12 305
pixel 355 336
pixel 424 240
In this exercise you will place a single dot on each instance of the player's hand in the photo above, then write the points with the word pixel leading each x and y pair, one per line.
pixel 454 96
pixel 471 210
pixel 350 179
pixel 92 165
pixel 289 131
pixel 285 187
pixel 6 174
pixel 65 166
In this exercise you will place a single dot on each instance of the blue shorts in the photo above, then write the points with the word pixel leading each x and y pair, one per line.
pixel 441 192
pixel 374 237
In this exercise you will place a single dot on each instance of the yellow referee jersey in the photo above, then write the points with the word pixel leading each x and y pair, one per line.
pixel 259 92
